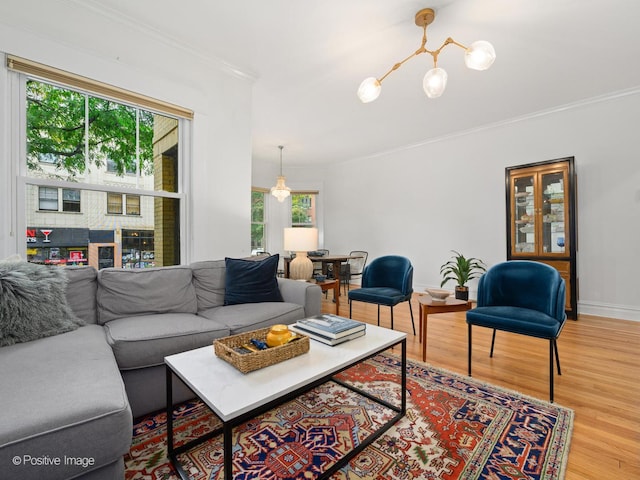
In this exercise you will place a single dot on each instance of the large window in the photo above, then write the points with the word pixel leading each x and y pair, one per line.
pixel 303 210
pixel 117 151
pixel 258 230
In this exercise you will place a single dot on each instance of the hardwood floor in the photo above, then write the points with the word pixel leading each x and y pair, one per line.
pixel 600 360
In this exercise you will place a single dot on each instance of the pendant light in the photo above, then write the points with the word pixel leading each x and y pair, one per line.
pixel 479 55
pixel 280 191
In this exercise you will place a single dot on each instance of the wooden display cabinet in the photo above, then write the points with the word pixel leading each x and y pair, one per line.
pixel 541 219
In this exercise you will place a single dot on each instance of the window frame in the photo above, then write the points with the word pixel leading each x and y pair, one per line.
pixel 263 223
pixel 128 197
pixel 50 191
pixel 111 203
pixel 66 202
pixel 313 208
pixel 18 168
pixel 110 166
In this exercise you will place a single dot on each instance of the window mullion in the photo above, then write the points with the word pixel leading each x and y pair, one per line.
pixel 86 129
pixel 137 147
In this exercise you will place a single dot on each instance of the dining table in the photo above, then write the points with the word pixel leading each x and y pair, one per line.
pixel 326 260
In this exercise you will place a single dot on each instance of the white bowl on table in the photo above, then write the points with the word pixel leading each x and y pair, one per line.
pixel 438 295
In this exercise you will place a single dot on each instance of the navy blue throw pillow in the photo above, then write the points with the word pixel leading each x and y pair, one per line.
pixel 251 281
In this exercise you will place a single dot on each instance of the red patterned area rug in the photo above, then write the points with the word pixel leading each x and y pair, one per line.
pixel 455 428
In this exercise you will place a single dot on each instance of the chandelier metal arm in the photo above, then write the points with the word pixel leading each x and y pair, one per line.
pixel 420 50
pixel 448 41
pixel 399 64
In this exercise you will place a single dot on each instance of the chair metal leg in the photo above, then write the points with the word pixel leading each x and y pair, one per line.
pixel 555 347
pixel 350 308
pixel 412 324
pixel 493 341
pixel 379 315
pixel 469 348
pixel 551 350
pixel 391 318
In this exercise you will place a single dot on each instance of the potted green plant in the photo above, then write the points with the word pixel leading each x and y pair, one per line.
pixel 462 270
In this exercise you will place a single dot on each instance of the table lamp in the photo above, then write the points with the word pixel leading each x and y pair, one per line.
pixel 300 240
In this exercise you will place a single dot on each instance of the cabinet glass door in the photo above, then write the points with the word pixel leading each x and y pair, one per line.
pixel 523 237
pixel 541 219
pixel 554 213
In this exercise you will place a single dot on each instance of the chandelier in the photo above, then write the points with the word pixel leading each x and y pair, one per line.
pixel 479 56
pixel 280 191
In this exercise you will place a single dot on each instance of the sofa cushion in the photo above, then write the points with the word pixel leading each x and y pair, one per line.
pixel 82 286
pixel 251 281
pixel 63 396
pixel 251 316
pixel 131 292
pixel 208 280
pixel 144 341
pixel 32 302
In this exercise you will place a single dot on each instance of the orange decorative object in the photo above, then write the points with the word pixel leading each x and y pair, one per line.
pixel 278 335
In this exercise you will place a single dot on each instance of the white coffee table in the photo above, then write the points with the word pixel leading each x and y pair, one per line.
pixel 236 397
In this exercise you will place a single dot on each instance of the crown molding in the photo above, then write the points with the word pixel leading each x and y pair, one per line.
pixel 162 37
pixel 511 121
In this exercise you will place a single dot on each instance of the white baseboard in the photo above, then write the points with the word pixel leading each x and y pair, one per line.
pixel 622 312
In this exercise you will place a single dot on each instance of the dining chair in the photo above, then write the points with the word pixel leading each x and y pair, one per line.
pixel 317 266
pixel 524 297
pixel 386 281
pixel 353 267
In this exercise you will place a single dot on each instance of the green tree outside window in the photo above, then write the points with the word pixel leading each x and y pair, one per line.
pixel 257 221
pixel 302 210
pixel 73 130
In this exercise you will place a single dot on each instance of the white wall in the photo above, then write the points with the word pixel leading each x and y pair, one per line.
pixel 449 194
pixel 420 202
pixel 218 213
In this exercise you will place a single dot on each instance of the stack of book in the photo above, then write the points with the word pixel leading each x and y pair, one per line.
pixel 329 329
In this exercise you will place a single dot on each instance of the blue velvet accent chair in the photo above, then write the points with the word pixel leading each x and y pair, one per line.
pixel 524 297
pixel 386 281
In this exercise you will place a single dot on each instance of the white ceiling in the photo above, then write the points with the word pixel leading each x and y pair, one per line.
pixel 308 57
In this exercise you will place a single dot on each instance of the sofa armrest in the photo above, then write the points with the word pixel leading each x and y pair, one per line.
pixel 303 293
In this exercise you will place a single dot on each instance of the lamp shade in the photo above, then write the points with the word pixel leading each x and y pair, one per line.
pixel 300 239
pixel 434 83
pixel 480 55
pixel 369 90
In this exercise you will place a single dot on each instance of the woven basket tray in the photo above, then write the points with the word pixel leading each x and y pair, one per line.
pixel 248 362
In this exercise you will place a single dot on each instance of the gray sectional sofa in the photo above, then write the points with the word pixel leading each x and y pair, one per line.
pixel 68 400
